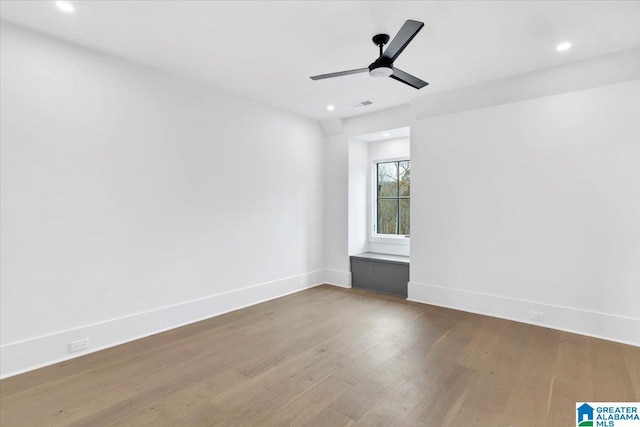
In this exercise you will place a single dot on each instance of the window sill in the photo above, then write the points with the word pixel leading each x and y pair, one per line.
pixel 392 240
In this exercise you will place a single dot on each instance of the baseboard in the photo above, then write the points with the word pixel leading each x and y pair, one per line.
pixel 23 356
pixel 338 278
pixel 599 325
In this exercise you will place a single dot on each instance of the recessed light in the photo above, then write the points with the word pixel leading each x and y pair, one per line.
pixel 385 134
pixel 563 46
pixel 330 107
pixel 65 6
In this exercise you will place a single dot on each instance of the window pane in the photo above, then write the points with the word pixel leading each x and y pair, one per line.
pixel 404 217
pixel 405 179
pixel 388 179
pixel 387 216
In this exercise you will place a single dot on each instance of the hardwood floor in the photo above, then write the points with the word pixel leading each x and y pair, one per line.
pixel 331 357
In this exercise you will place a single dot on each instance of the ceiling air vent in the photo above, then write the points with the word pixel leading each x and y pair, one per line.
pixel 361 104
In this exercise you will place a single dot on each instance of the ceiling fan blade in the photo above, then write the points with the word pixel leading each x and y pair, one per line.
pixel 402 39
pixel 339 73
pixel 408 79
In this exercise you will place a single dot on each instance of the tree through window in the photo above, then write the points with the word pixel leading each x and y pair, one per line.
pixel 392 197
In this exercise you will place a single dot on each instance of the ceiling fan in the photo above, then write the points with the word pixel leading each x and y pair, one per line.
pixel 383 66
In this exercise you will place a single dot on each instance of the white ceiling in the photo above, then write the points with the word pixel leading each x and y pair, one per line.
pixel 384 135
pixel 268 49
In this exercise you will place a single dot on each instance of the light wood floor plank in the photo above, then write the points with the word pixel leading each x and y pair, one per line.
pixel 330 418
pixel 303 408
pixel 633 365
pixel 611 378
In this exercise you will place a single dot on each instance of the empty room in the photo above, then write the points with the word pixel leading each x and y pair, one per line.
pixel 319 213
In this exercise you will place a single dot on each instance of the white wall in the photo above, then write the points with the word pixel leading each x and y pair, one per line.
pixel 133 201
pixel 389 149
pixel 336 211
pixel 533 205
pixel 359 180
pixel 525 200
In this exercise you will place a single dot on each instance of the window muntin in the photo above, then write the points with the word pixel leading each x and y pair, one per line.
pixel 393 191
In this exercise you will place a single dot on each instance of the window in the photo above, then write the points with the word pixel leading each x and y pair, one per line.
pixel 392 197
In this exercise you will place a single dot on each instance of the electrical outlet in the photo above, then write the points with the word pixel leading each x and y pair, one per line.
pixel 536 316
pixel 302 284
pixel 78 345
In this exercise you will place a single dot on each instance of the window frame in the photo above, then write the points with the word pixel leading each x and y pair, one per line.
pixel 376 237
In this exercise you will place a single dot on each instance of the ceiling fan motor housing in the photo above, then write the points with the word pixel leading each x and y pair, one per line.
pixel 381 67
